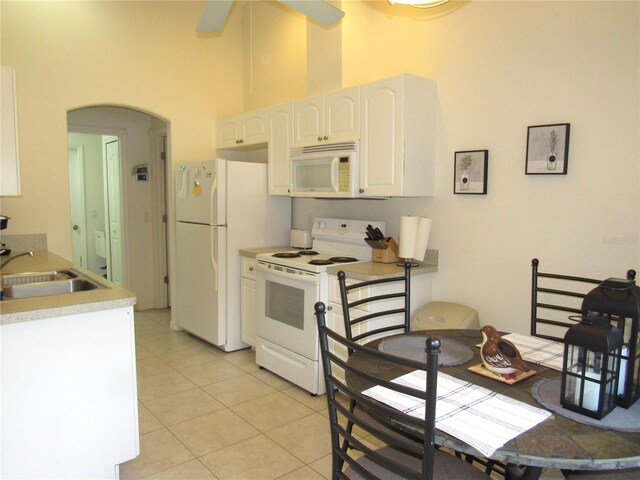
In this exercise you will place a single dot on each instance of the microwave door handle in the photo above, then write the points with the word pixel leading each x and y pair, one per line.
pixel 334 173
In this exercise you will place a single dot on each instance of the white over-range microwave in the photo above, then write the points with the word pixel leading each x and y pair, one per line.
pixel 325 171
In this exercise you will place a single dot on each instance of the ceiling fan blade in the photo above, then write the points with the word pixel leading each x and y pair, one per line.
pixel 317 10
pixel 214 16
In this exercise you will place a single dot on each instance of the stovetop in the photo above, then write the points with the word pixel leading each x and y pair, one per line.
pixel 309 260
pixel 335 241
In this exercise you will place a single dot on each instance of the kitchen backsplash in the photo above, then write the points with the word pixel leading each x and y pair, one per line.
pixel 23 243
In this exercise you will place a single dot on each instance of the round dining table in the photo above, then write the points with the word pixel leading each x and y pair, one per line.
pixel 558 442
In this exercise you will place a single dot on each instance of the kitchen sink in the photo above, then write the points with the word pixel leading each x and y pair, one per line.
pixel 53 282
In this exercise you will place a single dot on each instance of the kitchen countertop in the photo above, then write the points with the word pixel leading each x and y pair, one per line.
pixel 360 271
pixel 35 308
pixel 374 270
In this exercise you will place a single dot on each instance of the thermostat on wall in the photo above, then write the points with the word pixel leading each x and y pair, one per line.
pixel 141 172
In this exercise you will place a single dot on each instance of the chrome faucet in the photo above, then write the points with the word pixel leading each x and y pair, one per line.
pixel 11 259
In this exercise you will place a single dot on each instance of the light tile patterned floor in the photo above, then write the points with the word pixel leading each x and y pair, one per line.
pixel 208 414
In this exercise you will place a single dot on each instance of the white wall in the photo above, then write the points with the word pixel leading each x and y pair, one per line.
pixel 501 67
pixel 138 54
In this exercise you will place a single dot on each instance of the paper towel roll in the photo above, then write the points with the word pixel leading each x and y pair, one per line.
pixel 422 238
pixel 408 235
pixel 414 236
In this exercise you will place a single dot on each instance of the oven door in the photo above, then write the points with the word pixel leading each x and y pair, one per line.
pixel 284 308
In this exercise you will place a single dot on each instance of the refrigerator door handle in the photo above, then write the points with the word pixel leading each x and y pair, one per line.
pixel 214 263
pixel 214 205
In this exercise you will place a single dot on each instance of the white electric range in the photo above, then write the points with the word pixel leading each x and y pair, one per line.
pixel 288 284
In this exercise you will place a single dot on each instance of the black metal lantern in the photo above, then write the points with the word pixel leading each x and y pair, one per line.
pixel 618 300
pixel 591 367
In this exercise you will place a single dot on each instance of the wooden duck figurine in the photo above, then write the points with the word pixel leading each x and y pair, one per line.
pixel 500 356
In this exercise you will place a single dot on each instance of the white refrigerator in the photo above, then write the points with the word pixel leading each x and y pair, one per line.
pixel 222 206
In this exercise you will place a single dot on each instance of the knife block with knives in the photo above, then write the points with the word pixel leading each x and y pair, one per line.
pixel 385 249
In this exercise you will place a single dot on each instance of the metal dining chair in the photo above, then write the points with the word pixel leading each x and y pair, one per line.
pixel 554 299
pixel 377 308
pixel 399 458
pixel 368 316
pixel 361 327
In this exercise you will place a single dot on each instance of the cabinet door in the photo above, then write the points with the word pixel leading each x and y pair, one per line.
pixel 248 304
pixel 342 115
pixel 280 127
pixel 308 121
pixel 254 127
pixel 381 145
pixel 228 131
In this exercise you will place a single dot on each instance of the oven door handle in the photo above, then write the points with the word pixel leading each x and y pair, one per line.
pixel 311 278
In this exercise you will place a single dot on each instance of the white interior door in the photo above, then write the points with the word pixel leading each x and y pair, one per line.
pixel 78 223
pixel 115 270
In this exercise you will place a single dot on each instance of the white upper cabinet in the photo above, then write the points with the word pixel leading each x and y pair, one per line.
pixel 242 130
pixel 342 115
pixel 9 157
pixel 280 127
pixel 397 141
pixel 329 118
pixel 394 119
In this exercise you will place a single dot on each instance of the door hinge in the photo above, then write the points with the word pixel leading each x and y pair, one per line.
pixel 166 279
pixel 163 155
pixel 164 218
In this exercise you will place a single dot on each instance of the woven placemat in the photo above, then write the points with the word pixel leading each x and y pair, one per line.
pixel 547 393
pixel 452 352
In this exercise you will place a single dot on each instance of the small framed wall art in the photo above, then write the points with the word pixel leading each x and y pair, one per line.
pixel 470 172
pixel 547 149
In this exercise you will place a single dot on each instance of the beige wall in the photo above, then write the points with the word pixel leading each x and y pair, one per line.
pixel 275 53
pixel 144 55
pixel 500 67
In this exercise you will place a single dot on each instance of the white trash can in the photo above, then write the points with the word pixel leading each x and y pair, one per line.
pixel 444 315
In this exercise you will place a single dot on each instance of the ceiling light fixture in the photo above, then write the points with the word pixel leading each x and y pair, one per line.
pixel 419 3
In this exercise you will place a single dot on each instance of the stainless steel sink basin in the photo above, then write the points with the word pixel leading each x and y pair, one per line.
pixel 38 284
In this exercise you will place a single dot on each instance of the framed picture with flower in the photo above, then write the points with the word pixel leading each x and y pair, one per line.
pixel 547 149
pixel 470 172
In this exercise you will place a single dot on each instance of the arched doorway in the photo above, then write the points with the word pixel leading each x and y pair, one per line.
pixel 117 162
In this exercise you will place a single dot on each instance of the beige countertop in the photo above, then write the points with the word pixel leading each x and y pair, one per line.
pixel 35 308
pixel 360 271
pixel 374 270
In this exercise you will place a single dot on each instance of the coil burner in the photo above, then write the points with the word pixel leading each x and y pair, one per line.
pixel 286 255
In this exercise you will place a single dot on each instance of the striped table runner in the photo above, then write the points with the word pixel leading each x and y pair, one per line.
pixel 484 419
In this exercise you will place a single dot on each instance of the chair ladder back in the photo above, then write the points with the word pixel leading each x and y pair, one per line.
pixel 357 378
pixel 555 300
pixel 350 321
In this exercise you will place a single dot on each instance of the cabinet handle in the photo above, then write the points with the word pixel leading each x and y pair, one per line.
pixel 239 141
pixel 361 190
pixel 251 269
pixel 319 139
pixel 325 138
pixel 329 307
